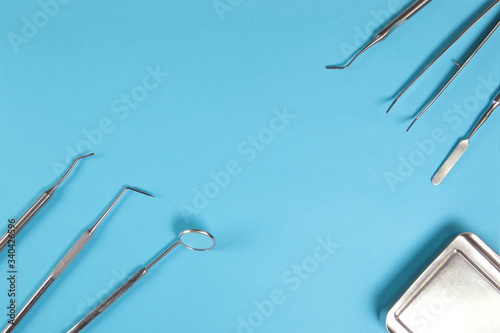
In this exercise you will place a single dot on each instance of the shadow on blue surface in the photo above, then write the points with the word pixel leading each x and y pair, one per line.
pixel 443 45
pixel 180 224
pixel 404 277
pixel 463 58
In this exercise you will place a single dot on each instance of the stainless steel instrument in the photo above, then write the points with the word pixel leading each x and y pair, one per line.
pixel 460 68
pixel 463 145
pixel 63 264
pixel 459 292
pixel 200 241
pixel 477 19
pixel 387 30
pixel 35 208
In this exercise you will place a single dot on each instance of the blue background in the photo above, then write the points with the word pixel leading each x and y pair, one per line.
pixel 324 175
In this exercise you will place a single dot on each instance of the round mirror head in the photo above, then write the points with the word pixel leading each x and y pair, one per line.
pixel 197 240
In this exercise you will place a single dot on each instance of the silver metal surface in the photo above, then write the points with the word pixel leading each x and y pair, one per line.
pixel 137 276
pixel 387 30
pixel 71 254
pixel 460 68
pixel 35 208
pixel 450 162
pixel 458 293
pixel 477 19
pixel 108 301
pixel 63 264
pixel 196 247
pixel 27 307
pixel 463 145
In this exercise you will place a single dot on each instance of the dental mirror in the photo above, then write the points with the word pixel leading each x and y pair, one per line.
pixel 193 239
pixel 197 240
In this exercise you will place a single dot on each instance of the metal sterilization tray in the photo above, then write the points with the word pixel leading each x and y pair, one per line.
pixel 458 293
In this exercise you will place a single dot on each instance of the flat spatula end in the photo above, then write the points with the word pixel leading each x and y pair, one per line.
pixel 450 162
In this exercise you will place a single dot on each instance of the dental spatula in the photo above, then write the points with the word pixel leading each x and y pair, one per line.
pixel 463 145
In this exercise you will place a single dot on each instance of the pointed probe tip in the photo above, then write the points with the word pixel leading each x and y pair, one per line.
pixel 139 191
pixel 83 156
pixel 391 106
pixel 411 125
pixel 53 188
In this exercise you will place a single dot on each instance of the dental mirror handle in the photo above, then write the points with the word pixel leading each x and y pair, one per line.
pixel 118 293
pixel 64 263
pixel 108 301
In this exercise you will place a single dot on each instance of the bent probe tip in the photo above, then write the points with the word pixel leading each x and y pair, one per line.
pixel 68 172
pixel 373 42
pixel 343 67
pixel 35 208
pixel 139 191
pixel 103 216
pixel 337 67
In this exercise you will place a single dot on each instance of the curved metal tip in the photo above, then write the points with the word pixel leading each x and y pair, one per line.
pixel 413 122
pixel 51 190
pixel 411 125
pixel 92 229
pixel 420 114
pixel 392 105
pixel 348 64
pixel 373 42
pixel 83 156
pixel 138 191
pixel 338 67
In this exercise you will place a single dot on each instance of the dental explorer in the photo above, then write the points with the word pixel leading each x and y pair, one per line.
pixel 464 144
pixel 387 30
pixel 64 263
pixel 35 208
pixel 460 68
pixel 208 243
pixel 477 19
